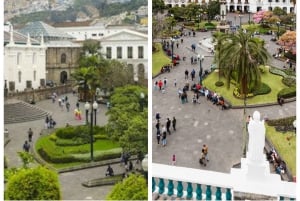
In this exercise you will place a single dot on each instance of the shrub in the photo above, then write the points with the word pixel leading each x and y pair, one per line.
pixel 236 93
pixel 55 158
pixel 289 81
pixel 281 122
pixel 100 137
pixel 287 92
pixel 219 83
pixel 73 142
pixel 53 137
pixel 190 23
pixel 277 71
pixel 33 184
pixel 290 55
pixel 262 69
pixel 262 89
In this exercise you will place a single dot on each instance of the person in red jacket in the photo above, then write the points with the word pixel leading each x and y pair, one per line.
pixel 160 84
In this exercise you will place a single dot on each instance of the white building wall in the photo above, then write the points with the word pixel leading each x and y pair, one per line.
pixel 133 41
pixel 254 4
pixel 25 66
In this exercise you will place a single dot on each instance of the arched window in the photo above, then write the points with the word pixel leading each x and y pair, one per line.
pixel 18 58
pixel 63 58
pixel 20 76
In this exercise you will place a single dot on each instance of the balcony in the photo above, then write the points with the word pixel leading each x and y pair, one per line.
pixel 188 183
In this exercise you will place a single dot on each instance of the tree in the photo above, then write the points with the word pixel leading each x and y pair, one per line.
pixel 33 184
pixel 279 11
pixel 218 39
pixel 132 188
pixel 241 56
pixel 288 39
pixel 213 9
pixel 127 118
pixel 91 46
pixel 158 6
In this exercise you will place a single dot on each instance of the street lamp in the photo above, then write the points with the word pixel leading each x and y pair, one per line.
pixel 145 166
pixel 88 107
pixel 95 107
pixel 142 96
pixel 278 24
pixel 200 58
pixel 240 16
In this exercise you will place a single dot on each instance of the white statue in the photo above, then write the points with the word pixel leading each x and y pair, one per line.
pixel 256 130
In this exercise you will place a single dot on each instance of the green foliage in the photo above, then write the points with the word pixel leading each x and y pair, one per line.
pixel 237 94
pixel 289 81
pixel 219 83
pixel 132 188
pixel 287 92
pixel 262 69
pixel 290 56
pixel 33 184
pixel 5 163
pixel 262 89
pixel 26 158
pixel 281 122
pixel 127 121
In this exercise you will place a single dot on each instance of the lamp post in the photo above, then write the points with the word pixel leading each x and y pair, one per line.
pixel 278 24
pixel 95 107
pixel 145 166
pixel 240 16
pixel 172 47
pixel 200 58
pixel 90 107
pixel 142 96
pixel 249 22
pixel 87 107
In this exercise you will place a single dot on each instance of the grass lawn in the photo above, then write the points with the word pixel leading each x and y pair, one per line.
pixel 274 82
pixel 49 145
pixel 285 148
pixel 159 59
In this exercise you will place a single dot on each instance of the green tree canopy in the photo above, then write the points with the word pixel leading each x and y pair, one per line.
pixel 132 188
pixel 33 184
pixel 158 6
pixel 127 122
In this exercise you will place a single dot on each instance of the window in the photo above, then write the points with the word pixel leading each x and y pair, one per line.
pixel 34 75
pixel 63 58
pixel 94 34
pixel 140 52
pixel 34 58
pixel 108 52
pixel 129 53
pixel 18 58
pixel 119 52
pixel 20 76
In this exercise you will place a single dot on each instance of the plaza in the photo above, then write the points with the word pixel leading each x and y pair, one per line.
pixel 204 123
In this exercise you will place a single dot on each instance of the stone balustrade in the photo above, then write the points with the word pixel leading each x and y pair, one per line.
pixel 189 183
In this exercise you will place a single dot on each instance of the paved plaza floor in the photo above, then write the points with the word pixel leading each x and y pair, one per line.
pixel 70 182
pixel 204 123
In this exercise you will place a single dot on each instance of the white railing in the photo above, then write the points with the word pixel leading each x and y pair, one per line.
pixel 230 182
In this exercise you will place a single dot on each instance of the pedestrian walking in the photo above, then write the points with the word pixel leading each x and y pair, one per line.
pixel 26 146
pixel 160 84
pixel 165 82
pixel 68 106
pixel 164 136
pixel 175 82
pixel 158 136
pixel 30 134
pixel 174 123
pixel 173 159
pixel 186 74
pixel 205 151
pixel 168 125
pixel 77 104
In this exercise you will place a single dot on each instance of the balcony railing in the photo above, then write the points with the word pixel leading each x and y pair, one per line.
pixel 209 185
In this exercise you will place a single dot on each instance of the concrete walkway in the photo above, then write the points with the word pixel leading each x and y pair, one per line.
pixel 70 182
pixel 205 123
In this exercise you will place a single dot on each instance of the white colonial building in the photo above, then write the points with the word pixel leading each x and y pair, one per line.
pixel 251 6
pixel 130 47
pixel 24 61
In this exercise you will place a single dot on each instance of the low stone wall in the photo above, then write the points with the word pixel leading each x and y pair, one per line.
pixel 39 94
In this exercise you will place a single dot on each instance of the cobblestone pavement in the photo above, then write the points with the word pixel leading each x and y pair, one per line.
pixel 204 123
pixel 70 182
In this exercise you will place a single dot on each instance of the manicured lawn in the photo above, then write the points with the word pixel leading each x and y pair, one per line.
pixel 159 59
pixel 285 148
pixel 274 82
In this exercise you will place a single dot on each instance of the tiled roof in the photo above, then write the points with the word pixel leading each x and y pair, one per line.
pixel 36 29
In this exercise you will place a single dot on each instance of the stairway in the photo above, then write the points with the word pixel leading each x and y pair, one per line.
pixel 19 111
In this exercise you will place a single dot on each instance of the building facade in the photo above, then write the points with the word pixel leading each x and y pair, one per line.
pixel 24 62
pixel 129 47
pixel 243 6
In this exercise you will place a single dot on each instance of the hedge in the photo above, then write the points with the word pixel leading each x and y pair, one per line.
pixel 263 89
pixel 287 92
pixel 288 81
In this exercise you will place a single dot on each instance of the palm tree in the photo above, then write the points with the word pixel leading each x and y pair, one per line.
pixel 85 76
pixel 240 56
pixel 218 40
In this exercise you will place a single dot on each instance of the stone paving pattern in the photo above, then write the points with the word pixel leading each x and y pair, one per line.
pixel 204 123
